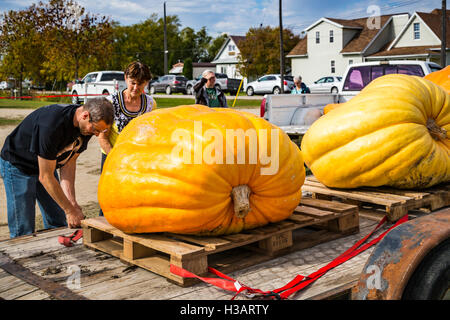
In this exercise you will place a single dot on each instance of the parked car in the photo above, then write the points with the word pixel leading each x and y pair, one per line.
pixel 190 85
pixel 223 83
pixel 4 85
pixel 98 82
pixel 270 83
pixel 326 85
pixel 169 83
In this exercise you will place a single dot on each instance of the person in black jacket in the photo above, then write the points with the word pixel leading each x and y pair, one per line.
pixel 49 138
pixel 207 94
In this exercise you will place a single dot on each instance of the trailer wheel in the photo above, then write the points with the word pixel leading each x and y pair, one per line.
pixel 431 279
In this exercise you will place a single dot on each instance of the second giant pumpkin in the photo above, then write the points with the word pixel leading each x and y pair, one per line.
pixel 441 77
pixel 177 170
pixel 394 132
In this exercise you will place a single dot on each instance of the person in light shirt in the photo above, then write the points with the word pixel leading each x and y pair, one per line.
pixel 128 104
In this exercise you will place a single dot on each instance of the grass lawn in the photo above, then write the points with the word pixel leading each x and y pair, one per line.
pixel 161 102
pixel 10 122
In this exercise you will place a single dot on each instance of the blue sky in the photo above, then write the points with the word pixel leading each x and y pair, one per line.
pixel 237 16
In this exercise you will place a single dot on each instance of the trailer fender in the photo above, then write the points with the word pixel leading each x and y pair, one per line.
pixel 398 254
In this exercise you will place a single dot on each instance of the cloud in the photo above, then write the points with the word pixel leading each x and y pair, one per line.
pixel 237 16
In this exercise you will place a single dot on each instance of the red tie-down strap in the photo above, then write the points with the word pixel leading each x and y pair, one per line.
pixel 69 241
pixel 299 282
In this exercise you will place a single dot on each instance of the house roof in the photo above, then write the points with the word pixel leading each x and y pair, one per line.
pixel 347 23
pixel 237 39
pixel 416 50
pixel 433 20
pixel 300 49
pixel 203 64
pixel 363 37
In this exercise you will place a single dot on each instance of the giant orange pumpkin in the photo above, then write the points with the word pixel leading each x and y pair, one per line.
pixel 394 132
pixel 441 77
pixel 167 173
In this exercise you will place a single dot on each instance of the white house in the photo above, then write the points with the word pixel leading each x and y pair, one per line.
pixel 226 59
pixel 330 45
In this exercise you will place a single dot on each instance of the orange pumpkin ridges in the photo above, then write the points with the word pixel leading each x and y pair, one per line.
pixel 164 173
pixel 441 78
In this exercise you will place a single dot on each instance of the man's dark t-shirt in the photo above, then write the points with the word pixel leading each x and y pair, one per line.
pixel 47 132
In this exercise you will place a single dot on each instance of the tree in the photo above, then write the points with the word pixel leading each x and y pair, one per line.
pixel 77 40
pixel 187 68
pixel 21 46
pixel 260 51
pixel 145 42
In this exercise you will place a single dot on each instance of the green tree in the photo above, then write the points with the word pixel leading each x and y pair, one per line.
pixel 145 42
pixel 21 46
pixel 77 41
pixel 260 51
pixel 188 69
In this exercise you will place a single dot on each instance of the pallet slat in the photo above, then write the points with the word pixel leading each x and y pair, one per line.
pixel 155 252
pixel 396 202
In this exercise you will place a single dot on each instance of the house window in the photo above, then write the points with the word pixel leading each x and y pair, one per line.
pixel 416 31
pixel 333 69
pixel 350 61
pixel 223 69
pixel 317 37
pixel 331 36
pixel 231 47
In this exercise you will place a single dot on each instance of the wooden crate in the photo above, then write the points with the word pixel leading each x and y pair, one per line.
pixel 320 221
pixel 395 202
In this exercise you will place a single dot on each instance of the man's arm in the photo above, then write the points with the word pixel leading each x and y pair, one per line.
pixel 103 140
pixel 67 177
pixel 200 84
pixel 47 178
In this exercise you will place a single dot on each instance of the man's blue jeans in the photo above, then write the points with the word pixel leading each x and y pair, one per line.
pixel 22 191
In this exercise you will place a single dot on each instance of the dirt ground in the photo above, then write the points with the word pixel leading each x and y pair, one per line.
pixel 86 181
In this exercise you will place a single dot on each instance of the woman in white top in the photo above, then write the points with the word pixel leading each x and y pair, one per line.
pixel 128 104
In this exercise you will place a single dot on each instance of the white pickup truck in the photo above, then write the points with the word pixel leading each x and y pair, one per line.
pixel 96 83
pixel 294 114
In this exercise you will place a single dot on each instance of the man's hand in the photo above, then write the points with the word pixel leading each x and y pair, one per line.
pixel 74 217
pixel 209 76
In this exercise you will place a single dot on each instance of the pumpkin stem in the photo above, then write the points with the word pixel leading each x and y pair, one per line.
pixel 436 131
pixel 241 200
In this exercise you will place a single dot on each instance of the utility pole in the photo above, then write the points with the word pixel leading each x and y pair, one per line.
pixel 281 50
pixel 165 41
pixel 444 35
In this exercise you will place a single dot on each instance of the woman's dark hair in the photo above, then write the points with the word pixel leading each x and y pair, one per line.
pixel 138 71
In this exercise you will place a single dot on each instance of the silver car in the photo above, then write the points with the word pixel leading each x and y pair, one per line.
pixel 326 85
pixel 270 83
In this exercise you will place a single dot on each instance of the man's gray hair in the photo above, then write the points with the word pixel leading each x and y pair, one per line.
pixel 100 109
pixel 206 72
pixel 297 78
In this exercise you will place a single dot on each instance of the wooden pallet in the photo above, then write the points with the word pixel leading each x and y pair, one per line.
pixel 313 222
pixel 394 202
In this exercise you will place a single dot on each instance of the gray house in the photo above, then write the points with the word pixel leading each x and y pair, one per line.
pixel 330 45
